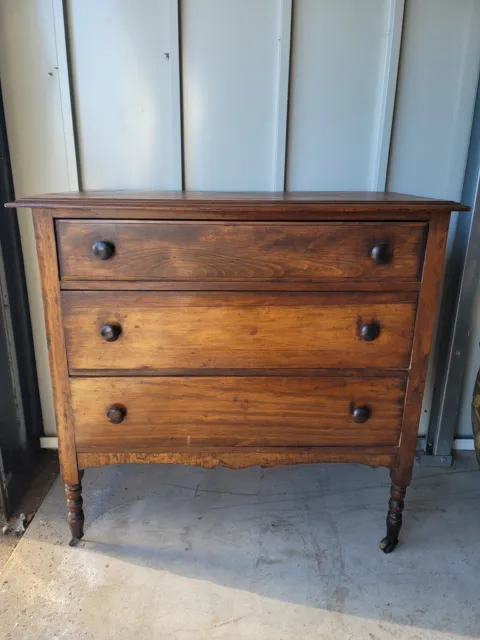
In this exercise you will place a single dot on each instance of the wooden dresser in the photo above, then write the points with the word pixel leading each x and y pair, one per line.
pixel 239 329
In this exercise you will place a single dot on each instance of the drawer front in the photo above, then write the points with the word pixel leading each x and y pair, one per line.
pixel 164 332
pixel 240 252
pixel 235 411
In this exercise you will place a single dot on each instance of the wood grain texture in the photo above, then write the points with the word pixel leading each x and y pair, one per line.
pixel 241 458
pixel 236 330
pixel 233 411
pixel 231 252
pixel 157 199
pixel 424 327
pixel 47 260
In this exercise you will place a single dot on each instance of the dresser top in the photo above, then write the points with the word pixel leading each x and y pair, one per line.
pixel 333 200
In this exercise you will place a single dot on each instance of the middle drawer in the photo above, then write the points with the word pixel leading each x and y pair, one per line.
pixel 165 332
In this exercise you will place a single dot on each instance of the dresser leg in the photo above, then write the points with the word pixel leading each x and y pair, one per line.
pixel 75 517
pixel 394 518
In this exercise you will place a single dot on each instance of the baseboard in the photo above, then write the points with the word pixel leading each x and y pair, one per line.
pixel 49 442
pixel 463 444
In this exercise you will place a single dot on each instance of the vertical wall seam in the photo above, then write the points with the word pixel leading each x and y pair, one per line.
pixel 282 94
pixel 178 172
pixel 65 93
pixel 389 91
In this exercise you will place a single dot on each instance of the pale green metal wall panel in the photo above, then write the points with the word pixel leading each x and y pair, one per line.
pixel 338 54
pixel 436 91
pixel 124 57
pixel 230 70
pixel 435 97
pixel 33 69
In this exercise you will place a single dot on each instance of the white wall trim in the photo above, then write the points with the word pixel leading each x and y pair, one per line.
pixel 65 93
pixel 464 444
pixel 49 442
pixel 283 81
pixel 176 96
pixel 389 90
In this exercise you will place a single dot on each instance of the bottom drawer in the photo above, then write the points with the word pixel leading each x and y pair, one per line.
pixel 152 413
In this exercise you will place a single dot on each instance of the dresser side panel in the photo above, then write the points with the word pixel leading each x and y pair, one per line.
pixel 422 342
pixel 47 260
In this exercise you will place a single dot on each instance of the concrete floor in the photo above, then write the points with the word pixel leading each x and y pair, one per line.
pixel 39 482
pixel 284 553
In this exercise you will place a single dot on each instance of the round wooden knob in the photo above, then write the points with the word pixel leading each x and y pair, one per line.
pixel 370 332
pixel 380 254
pixel 103 250
pixel 361 414
pixel 111 332
pixel 116 414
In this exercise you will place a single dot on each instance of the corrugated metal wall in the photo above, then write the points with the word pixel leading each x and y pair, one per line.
pixel 237 94
pixel 464 427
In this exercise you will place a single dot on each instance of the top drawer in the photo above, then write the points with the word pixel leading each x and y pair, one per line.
pixel 279 252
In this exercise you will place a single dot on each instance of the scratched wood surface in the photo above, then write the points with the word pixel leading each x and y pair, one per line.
pixel 243 457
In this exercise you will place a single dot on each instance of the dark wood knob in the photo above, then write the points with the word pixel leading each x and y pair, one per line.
pixel 103 250
pixel 370 332
pixel 380 254
pixel 116 414
pixel 361 414
pixel 111 332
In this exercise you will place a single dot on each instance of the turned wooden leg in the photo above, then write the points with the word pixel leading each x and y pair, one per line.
pixel 394 518
pixel 75 517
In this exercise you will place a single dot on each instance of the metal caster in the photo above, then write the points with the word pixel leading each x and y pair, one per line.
pixel 74 541
pixel 387 545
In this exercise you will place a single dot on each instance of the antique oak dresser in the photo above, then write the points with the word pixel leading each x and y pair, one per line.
pixel 239 329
